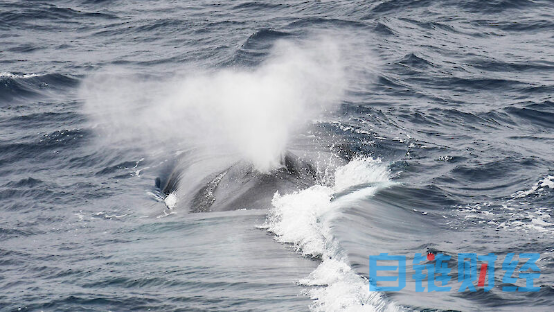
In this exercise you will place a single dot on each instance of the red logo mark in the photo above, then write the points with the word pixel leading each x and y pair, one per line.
pixel 482 275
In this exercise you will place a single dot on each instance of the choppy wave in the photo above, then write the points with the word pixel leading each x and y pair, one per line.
pixel 304 219
pixel 454 97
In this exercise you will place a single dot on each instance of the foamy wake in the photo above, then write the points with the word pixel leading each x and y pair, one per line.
pixel 547 182
pixel 305 218
pixel 12 75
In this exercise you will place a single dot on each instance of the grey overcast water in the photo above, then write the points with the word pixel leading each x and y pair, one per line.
pixel 252 156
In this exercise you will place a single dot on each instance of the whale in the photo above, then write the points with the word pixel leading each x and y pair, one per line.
pixel 237 186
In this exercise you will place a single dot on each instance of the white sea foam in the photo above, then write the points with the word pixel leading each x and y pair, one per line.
pixel 171 200
pixel 517 209
pixel 547 182
pixel 12 75
pixel 512 216
pixel 305 218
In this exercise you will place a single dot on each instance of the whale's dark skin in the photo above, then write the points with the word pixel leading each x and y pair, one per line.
pixel 242 187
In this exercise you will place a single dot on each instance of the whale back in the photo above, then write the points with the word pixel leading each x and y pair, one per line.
pixel 240 186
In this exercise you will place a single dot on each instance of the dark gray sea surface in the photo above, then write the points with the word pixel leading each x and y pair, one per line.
pixel 252 156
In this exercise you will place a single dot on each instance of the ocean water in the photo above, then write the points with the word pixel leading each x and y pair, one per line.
pixel 251 156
